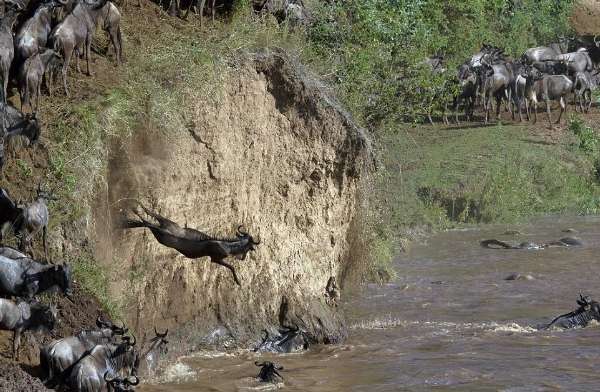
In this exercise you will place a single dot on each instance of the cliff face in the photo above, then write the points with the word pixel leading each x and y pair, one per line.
pixel 275 153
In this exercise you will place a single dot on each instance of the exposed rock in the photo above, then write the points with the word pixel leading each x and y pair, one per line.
pixel 275 153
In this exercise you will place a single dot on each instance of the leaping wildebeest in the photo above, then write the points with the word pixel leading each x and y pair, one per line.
pixel 192 243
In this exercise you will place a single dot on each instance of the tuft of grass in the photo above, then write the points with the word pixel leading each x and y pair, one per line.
pixel 94 280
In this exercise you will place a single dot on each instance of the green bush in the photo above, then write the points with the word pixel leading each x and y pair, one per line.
pixel 589 141
pixel 375 46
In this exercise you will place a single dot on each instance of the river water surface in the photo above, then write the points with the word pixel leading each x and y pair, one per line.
pixel 450 322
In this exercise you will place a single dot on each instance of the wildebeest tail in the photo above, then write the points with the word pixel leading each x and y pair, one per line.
pixel 491 243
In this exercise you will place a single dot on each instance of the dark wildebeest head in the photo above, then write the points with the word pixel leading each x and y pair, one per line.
pixel 44 316
pixel 247 241
pixel 269 372
pixel 117 384
pixel 115 329
pixel 63 278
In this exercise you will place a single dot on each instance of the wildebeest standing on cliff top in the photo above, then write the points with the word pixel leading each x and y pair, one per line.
pixel 76 31
pixel 192 243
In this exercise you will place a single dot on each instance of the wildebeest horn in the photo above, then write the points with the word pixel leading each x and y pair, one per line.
pixel 259 363
pixel 106 379
pixel 240 231
pixel 134 383
pixel 100 323
pixel 134 341
pixel 161 335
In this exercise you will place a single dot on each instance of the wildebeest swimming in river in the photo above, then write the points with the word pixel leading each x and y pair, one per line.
pixel 269 372
pixel 192 243
pixel 563 242
pixel 587 311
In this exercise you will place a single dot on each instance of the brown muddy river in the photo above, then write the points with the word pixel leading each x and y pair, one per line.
pixel 449 323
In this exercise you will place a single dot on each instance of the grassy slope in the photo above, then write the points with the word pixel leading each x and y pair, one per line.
pixel 437 177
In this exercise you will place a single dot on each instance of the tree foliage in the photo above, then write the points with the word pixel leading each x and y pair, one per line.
pixel 375 46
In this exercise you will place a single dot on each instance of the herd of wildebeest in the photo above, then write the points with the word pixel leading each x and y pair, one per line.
pixel 555 72
pixel 38 39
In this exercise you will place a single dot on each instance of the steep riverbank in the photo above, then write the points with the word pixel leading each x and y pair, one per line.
pixel 213 138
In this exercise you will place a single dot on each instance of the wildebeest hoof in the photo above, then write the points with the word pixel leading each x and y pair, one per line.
pixel 517 276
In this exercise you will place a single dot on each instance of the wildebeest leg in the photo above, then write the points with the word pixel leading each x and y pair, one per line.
pixel 187 11
pixel 535 111
pixel 588 100
pixel 563 108
pixel 44 236
pixel 16 343
pixel 87 51
pixel 68 54
pixel 498 104
pixel 202 4
pixel 548 111
pixel 113 40
pixel 213 10
pixel 162 221
pixel 229 266
pixel 37 97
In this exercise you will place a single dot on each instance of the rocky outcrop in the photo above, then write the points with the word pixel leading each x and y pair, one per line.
pixel 275 153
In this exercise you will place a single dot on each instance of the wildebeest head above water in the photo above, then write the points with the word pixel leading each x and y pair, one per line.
pixel 269 372
pixel 587 311
pixel 192 243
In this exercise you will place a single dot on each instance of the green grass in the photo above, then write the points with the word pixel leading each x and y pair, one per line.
pixel 94 280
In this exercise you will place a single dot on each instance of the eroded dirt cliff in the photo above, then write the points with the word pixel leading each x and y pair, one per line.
pixel 275 153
